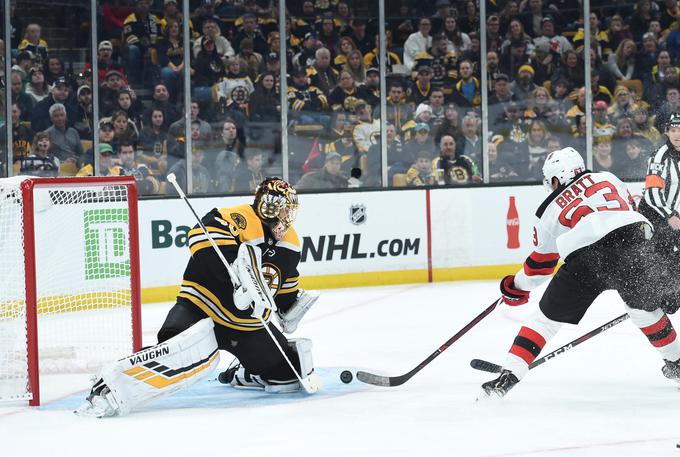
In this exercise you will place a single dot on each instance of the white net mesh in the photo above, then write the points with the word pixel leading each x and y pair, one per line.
pixel 13 355
pixel 82 254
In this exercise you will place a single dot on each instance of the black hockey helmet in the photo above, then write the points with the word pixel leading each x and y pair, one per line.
pixel 673 121
pixel 276 201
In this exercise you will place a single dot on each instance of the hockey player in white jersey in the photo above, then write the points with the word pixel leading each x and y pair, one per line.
pixel 590 221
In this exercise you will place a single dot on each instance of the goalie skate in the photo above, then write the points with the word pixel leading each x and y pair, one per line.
pixel 100 403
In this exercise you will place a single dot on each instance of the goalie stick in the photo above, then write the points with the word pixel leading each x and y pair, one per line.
pixel 392 381
pixel 309 384
pixel 491 367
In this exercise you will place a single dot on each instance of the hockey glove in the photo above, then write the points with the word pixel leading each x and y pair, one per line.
pixel 512 295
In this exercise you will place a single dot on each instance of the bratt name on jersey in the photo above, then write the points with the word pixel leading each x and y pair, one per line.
pixel 574 190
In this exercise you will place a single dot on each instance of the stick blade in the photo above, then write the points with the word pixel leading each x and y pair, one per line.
pixel 483 365
pixel 373 379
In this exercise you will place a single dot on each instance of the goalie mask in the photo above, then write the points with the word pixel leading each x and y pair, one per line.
pixel 562 164
pixel 276 204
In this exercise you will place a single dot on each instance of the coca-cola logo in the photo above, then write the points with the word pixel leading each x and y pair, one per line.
pixel 514 221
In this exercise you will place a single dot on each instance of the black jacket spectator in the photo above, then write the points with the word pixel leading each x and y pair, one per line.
pixel 133 107
pixel 25 103
pixel 250 30
pixel 141 28
pixel 40 118
pixel 265 101
pixel 170 52
pixel 325 79
pixel 161 101
pixel 22 137
pixel 303 97
pixel 208 68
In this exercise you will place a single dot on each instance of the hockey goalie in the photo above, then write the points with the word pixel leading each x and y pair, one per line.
pixel 261 245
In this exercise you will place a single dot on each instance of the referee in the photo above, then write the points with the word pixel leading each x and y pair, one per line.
pixel 661 197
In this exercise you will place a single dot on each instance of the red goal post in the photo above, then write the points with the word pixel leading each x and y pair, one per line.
pixel 69 278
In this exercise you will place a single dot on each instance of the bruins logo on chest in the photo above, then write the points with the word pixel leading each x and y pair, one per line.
pixel 239 220
pixel 272 275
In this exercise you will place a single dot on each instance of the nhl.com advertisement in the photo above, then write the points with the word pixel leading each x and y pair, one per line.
pixel 362 232
pixel 339 233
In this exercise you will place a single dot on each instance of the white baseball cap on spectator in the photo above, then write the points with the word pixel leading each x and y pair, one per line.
pixel 648 36
pixel 105 45
pixel 423 108
pixel 82 88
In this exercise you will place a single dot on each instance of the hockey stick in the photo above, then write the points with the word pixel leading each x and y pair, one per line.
pixel 491 367
pixel 309 384
pixel 392 381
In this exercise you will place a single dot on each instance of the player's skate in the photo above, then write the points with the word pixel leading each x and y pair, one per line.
pixel 672 370
pixel 304 301
pixel 501 385
pixel 238 377
pixel 100 403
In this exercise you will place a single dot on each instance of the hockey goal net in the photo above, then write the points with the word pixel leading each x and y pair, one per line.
pixel 69 278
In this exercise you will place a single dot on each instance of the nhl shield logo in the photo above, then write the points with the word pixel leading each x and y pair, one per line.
pixel 357 214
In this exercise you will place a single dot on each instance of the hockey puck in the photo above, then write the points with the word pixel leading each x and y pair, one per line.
pixel 346 376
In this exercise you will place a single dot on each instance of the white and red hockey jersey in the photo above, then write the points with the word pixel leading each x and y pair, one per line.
pixel 575 216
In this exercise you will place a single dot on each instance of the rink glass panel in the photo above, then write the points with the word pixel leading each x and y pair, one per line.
pixel 50 42
pixel 540 75
pixel 259 125
pixel 239 101
pixel 333 98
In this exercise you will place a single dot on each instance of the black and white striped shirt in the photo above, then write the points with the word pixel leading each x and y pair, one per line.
pixel 662 185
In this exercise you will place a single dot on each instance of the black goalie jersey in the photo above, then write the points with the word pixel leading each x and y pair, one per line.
pixel 206 282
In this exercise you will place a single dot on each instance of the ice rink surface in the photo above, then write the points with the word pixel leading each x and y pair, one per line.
pixel 606 397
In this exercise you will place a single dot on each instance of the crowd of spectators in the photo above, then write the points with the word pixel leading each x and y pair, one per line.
pixel 536 91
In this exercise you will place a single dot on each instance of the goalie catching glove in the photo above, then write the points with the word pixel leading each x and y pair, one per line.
pixel 254 291
pixel 291 318
pixel 512 295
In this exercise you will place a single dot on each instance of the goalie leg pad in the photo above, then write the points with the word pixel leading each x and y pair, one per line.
pixel 153 372
pixel 304 301
pixel 303 348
